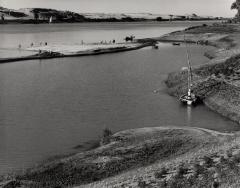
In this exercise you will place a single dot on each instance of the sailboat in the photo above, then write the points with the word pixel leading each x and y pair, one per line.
pixel 50 20
pixel 189 98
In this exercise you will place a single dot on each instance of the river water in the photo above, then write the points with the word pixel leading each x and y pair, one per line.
pixel 48 107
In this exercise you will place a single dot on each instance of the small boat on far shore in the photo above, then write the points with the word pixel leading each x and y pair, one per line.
pixel 155 47
pixel 176 43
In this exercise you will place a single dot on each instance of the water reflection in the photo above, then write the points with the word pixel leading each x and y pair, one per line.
pixel 189 116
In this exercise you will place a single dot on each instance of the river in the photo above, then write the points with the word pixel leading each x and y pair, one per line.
pixel 48 107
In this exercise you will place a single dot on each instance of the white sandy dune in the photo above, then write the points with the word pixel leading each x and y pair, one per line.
pixel 77 48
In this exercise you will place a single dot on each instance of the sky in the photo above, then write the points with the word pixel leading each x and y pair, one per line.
pixel 200 7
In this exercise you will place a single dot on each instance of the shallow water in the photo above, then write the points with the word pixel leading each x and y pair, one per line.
pixel 48 107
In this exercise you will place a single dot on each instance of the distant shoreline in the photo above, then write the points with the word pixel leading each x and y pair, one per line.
pixel 45 15
pixel 33 22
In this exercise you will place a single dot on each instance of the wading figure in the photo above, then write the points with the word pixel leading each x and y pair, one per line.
pixel 2 17
pixel 129 38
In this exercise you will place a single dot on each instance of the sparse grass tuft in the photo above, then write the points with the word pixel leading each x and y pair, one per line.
pixel 198 169
pixel 161 174
pixel 208 161
pixel 106 136
pixel 181 171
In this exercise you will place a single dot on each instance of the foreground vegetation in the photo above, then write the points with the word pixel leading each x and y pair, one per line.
pixel 121 152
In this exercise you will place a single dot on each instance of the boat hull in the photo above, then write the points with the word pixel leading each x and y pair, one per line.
pixel 188 100
pixel 176 44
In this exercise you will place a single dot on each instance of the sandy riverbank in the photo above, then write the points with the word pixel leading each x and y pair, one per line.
pixel 80 48
pixel 63 51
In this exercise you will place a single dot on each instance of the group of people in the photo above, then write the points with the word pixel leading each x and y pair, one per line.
pixel 45 43
pixel 110 42
pixel 2 17
pixel 32 44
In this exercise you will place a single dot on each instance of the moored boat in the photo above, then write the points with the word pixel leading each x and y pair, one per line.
pixel 176 43
pixel 190 98
pixel 155 46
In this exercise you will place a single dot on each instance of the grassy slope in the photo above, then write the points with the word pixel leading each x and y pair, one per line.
pixel 202 143
pixel 138 154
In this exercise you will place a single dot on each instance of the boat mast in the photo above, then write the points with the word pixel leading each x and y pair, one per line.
pixel 189 68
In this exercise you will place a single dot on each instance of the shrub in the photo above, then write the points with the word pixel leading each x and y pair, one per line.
pixel 178 182
pixel 162 184
pixel 161 173
pixel 181 171
pixel 236 158
pixel 208 161
pixel 107 133
pixel 142 184
pixel 198 169
pixel 229 154
pixel 159 19
pixel 215 184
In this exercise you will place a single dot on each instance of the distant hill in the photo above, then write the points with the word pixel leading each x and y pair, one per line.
pixel 146 16
pixel 42 15
pixel 39 15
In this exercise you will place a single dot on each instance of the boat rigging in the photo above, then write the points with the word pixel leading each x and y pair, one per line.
pixel 189 98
